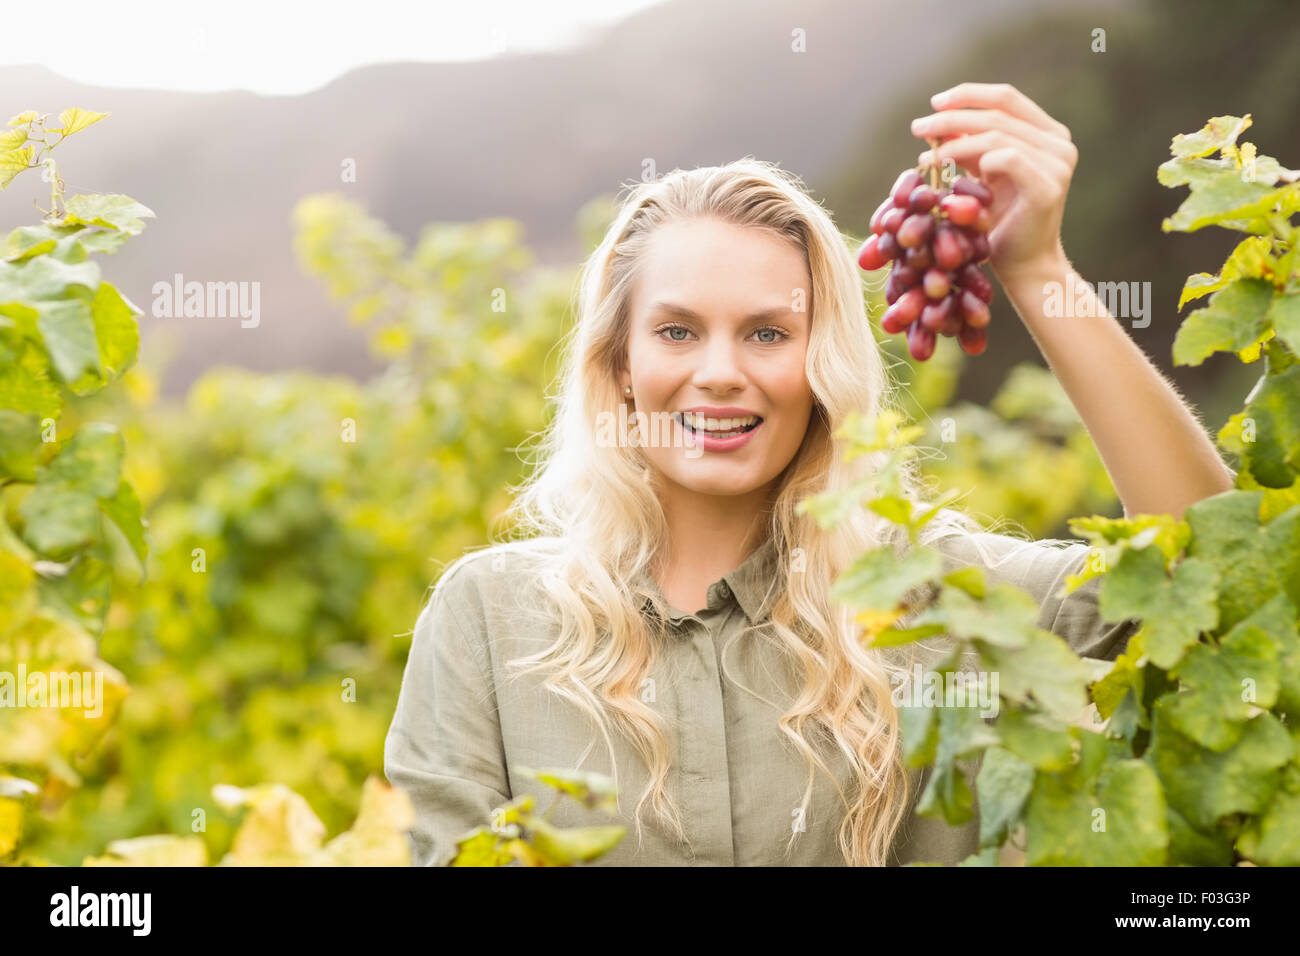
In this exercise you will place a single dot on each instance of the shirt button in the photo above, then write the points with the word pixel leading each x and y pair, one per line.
pixel 724 591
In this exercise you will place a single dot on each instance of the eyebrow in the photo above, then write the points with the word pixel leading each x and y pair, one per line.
pixel 683 311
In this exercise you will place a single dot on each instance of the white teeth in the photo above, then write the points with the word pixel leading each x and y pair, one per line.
pixel 700 423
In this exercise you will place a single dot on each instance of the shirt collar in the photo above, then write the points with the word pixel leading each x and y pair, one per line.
pixel 752 585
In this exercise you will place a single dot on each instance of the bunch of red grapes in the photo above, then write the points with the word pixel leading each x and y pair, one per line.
pixel 936 238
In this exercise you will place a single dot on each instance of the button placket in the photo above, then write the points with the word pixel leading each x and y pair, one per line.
pixel 703 748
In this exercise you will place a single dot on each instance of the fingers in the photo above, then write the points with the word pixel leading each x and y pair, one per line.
pixel 999 96
pixel 1030 178
pixel 957 122
pixel 972 152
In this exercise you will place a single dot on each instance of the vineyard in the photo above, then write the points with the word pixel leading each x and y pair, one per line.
pixel 226 586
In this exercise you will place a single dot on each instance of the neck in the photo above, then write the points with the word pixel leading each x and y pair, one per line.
pixel 709 535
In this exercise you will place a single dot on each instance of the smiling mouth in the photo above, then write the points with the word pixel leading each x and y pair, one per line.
pixel 728 433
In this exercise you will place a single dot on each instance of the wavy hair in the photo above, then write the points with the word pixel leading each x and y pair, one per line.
pixel 600 505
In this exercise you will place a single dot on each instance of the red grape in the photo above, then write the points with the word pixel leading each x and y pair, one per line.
pixel 947 254
pixel 961 210
pixel 907 276
pixel 965 245
pixel 935 315
pixel 938 283
pixel 919 258
pixel 879 214
pixel 892 219
pixel 892 289
pixel 907 181
pixel 973 340
pixel 916 229
pixel 972 278
pixel 973 310
pixel 923 199
pixel 869 256
pixel 920 341
pixel 891 322
pixel 954 323
pixel 906 310
pixel 888 245
pixel 965 186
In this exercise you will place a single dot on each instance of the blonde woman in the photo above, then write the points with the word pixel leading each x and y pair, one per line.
pixel 667 621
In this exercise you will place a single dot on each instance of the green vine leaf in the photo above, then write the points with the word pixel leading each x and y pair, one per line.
pixel 1044 671
pixel 1206 786
pixel 1236 318
pixel 1004 784
pixel 1222 686
pixel 1274 456
pixel 1254 561
pixel 1175 610
pixel 1118 819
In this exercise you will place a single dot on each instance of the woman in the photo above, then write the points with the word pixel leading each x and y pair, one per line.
pixel 672 605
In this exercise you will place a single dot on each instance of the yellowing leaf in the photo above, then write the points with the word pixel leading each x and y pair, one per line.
pixel 75 119
pixel 112 211
pixel 562 847
pixel 592 790
pixel 874 622
pixel 480 848
pixel 157 850
pixel 13 162
pixel 378 837
pixel 1218 132
pixel 11 825
pixel 280 828
pixel 1252 352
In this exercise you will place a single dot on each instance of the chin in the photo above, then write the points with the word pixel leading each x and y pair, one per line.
pixel 719 483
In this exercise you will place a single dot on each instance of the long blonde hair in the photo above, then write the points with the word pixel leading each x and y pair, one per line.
pixel 599 502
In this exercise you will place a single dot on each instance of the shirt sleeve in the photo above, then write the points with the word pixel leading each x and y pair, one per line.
pixel 1041 568
pixel 444 746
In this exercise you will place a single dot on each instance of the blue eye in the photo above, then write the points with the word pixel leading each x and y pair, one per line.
pixel 673 328
pixel 780 334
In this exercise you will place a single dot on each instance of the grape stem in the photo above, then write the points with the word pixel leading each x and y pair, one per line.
pixel 934 162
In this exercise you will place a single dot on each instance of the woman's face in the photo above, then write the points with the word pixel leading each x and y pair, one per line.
pixel 719 327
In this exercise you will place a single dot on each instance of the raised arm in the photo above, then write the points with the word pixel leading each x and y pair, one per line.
pixel 1158 456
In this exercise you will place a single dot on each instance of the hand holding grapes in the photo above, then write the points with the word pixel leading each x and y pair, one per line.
pixel 1156 452
pixel 937 235
pixel 1024 156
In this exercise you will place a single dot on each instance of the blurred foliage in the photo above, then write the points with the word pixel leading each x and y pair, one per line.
pixel 280 829
pixel 70 524
pixel 296 522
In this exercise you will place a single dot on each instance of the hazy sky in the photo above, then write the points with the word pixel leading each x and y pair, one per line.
pixel 280 46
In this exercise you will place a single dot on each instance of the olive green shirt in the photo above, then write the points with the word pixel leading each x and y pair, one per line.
pixel 461 729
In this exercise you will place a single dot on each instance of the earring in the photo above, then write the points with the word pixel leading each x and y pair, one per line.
pixel 627 389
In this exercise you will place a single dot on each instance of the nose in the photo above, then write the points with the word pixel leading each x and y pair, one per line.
pixel 718 370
